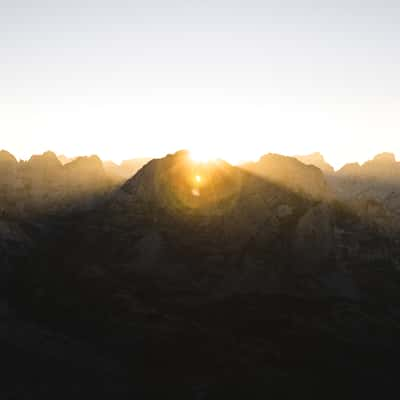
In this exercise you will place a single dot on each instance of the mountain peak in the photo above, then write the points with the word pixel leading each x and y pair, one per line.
pixel 64 159
pixel 6 156
pixel 48 160
pixel 291 173
pixel 350 169
pixel 93 161
pixel 385 158
pixel 318 160
pixel 176 182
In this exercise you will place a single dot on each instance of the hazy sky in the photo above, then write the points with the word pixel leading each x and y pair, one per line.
pixel 231 78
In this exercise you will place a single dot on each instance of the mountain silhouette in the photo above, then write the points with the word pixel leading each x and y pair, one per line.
pixel 291 173
pixel 224 273
pixel 231 231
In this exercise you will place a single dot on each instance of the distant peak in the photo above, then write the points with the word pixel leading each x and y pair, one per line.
pixel 180 153
pixel 45 155
pixel 280 160
pixel 317 155
pixel 86 161
pixel 64 159
pixel 385 158
pixel 6 156
pixel 48 158
pixel 350 169
pixel 275 156
pixel 318 160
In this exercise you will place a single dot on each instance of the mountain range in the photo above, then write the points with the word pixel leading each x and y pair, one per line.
pixel 196 275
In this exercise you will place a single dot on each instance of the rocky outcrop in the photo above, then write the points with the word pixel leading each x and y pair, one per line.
pixel 318 160
pixel 352 169
pixel 383 167
pixel 44 184
pixel 370 189
pixel 85 171
pixel 386 158
pixel 47 162
pixel 6 157
pixel 292 174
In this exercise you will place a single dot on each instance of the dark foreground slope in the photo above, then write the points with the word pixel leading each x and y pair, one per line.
pixel 210 281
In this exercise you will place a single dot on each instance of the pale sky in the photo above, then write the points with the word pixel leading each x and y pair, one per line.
pixel 233 79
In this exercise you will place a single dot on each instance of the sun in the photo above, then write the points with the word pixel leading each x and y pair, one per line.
pixel 205 155
pixel 202 156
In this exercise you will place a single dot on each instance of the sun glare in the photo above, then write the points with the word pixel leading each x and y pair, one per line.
pixel 205 155
pixel 201 156
pixel 198 178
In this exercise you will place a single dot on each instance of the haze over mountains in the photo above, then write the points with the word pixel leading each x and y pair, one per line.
pixel 55 181
pixel 204 273
pixel 371 189
pixel 49 182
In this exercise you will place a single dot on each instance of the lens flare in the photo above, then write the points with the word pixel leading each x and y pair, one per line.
pixel 196 192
